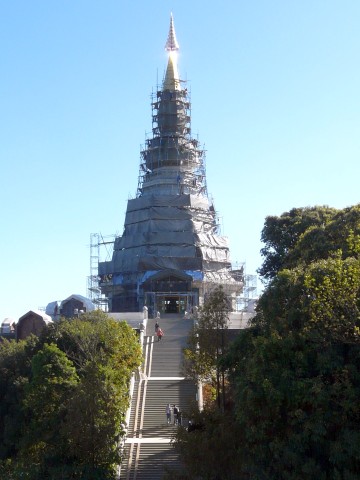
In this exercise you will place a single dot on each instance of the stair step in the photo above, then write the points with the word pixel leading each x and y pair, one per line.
pixel 153 396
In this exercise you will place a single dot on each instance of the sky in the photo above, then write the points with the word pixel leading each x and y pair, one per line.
pixel 275 102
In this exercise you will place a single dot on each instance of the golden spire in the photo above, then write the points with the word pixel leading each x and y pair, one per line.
pixel 172 80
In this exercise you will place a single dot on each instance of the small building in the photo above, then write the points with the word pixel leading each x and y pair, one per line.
pixel 7 329
pixel 72 306
pixel 33 322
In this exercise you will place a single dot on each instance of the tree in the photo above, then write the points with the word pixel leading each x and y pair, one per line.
pixel 281 234
pixel 209 451
pixel 105 353
pixel 208 341
pixel 15 368
pixel 94 423
pixel 52 383
pixel 297 370
pixel 73 393
pixel 297 376
pixel 340 233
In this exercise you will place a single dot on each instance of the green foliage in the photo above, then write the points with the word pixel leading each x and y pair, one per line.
pixel 281 234
pixel 297 405
pixel 295 372
pixel 333 290
pixel 94 337
pixel 15 368
pixel 340 234
pixel 94 418
pixel 207 342
pixel 305 235
pixel 212 450
pixel 207 337
pixel 52 383
pixel 71 391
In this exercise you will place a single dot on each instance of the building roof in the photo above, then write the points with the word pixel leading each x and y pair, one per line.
pixel 51 307
pixel 84 300
pixel 8 321
pixel 47 319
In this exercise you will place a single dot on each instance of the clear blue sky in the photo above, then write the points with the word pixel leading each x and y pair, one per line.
pixel 275 99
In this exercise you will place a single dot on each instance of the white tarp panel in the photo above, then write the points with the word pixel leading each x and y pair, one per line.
pixel 199 201
pixel 220 277
pixel 203 227
pixel 212 240
pixel 216 266
pixel 215 254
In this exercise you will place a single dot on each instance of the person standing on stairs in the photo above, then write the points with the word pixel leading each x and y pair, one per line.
pixel 159 334
pixel 179 417
pixel 176 411
pixel 168 413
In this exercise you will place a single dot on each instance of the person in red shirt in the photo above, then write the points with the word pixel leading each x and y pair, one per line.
pixel 159 334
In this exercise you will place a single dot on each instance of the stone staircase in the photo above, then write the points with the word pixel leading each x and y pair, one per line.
pixel 148 451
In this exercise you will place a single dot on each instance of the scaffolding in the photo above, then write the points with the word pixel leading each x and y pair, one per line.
pixel 171 158
pixel 99 251
pixel 101 248
pixel 246 302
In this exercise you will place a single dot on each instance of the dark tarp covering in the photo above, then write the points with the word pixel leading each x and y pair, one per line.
pixel 157 213
pixel 159 226
pixel 155 238
pixel 146 201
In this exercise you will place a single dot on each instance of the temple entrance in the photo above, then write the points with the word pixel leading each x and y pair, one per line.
pixel 170 303
pixel 169 292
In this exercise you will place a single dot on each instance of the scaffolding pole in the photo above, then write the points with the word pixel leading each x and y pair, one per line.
pixel 97 242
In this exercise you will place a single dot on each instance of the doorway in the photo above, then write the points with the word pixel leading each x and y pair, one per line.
pixel 170 303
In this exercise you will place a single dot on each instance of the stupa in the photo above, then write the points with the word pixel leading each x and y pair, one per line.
pixel 171 253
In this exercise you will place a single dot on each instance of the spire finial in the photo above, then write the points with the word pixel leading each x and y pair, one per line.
pixel 171 80
pixel 171 43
